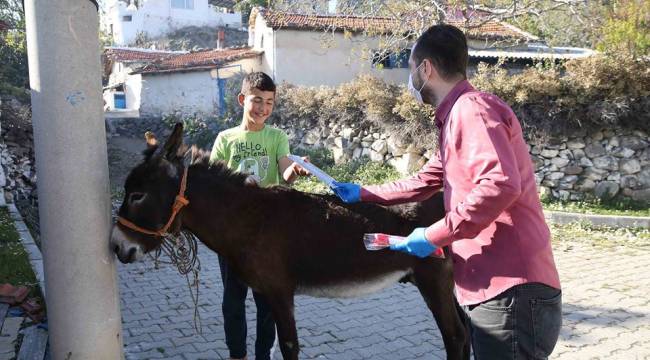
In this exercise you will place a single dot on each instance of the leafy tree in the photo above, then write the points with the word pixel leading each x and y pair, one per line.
pixel 13 50
pixel 626 28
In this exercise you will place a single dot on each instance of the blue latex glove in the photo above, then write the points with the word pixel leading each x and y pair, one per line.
pixel 348 192
pixel 416 244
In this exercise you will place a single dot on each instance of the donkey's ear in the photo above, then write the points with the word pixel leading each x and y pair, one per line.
pixel 174 142
pixel 151 139
pixel 152 146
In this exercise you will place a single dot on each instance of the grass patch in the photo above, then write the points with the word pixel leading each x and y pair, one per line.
pixel 602 236
pixel 14 263
pixel 624 207
pixel 365 172
pixel 361 171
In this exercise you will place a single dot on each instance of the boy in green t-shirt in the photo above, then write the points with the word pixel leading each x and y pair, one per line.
pixel 260 151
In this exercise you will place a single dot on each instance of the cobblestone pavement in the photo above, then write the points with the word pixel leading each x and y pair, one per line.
pixel 606 313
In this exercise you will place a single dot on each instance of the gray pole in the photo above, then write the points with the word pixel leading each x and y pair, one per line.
pixel 73 186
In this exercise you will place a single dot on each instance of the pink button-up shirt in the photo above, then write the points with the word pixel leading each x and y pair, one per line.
pixel 494 222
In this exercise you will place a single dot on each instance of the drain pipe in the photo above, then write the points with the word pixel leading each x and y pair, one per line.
pixel 73 186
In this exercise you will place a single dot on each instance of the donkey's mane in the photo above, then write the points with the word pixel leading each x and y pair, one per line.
pixel 217 169
pixel 200 158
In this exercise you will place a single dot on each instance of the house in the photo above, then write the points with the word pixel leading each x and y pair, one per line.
pixel 126 20
pixel 292 48
pixel 121 89
pixel 157 83
pixel 313 50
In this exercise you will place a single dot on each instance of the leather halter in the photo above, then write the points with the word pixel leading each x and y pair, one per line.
pixel 179 202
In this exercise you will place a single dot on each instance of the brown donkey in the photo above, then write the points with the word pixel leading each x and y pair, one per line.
pixel 280 241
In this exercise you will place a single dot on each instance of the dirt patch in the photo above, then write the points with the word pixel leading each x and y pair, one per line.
pixel 123 154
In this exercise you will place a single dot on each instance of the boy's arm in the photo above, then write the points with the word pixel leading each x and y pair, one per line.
pixel 291 170
pixel 217 152
pixel 287 168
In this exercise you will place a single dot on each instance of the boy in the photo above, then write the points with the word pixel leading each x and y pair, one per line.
pixel 260 151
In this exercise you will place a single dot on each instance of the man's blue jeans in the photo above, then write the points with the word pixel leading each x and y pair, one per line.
pixel 521 323
pixel 234 317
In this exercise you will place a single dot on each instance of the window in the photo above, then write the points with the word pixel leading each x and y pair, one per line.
pixel 391 60
pixel 380 60
pixel 182 4
pixel 119 100
pixel 127 18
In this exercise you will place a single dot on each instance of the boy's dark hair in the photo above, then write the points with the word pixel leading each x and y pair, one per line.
pixel 446 47
pixel 257 80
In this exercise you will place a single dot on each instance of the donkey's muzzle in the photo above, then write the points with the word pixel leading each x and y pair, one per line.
pixel 126 250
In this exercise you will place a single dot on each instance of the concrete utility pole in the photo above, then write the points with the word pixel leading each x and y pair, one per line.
pixel 73 185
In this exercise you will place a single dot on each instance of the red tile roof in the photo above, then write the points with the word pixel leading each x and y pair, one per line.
pixel 135 54
pixel 198 60
pixel 477 29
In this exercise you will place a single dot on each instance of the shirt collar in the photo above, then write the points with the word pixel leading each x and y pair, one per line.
pixel 442 111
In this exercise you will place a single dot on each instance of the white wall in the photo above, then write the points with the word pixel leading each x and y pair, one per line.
pixel 157 17
pixel 132 86
pixel 188 92
pixel 262 38
pixel 314 58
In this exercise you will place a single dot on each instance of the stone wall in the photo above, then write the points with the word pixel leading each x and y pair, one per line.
pixel 606 163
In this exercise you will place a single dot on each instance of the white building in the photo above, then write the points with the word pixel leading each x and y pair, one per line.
pixel 125 21
pixel 313 50
pixel 142 82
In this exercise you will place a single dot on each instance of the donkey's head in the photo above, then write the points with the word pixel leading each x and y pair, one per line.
pixel 149 194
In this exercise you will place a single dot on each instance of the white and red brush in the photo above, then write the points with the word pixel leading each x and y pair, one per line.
pixel 378 241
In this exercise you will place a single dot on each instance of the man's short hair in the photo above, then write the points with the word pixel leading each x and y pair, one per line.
pixel 257 80
pixel 446 47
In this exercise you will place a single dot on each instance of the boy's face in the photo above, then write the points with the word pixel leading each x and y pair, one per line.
pixel 258 105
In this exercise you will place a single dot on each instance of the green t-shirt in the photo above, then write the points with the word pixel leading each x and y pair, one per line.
pixel 252 152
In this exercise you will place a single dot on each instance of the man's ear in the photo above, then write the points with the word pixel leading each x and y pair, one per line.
pixel 430 70
pixel 240 98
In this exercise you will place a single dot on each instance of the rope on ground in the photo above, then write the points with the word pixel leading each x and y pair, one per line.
pixel 182 251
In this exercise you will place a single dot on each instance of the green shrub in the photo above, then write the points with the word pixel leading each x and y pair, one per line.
pixel 320 157
pixel 361 171
pixel 199 130
pixel 583 94
pixel 617 206
pixel 550 100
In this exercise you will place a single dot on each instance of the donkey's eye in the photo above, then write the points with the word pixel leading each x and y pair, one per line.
pixel 136 197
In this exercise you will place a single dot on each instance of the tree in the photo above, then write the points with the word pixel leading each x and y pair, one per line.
pixel 14 76
pixel 626 28
pixel 621 26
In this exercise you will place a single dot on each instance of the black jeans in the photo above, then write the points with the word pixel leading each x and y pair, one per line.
pixel 522 323
pixel 234 317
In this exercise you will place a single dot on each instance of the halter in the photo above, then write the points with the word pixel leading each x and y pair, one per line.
pixel 179 202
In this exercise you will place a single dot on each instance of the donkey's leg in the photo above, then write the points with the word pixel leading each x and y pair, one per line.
pixel 436 286
pixel 282 307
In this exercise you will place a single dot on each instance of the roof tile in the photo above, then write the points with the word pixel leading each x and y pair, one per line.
pixel 475 28
pixel 198 60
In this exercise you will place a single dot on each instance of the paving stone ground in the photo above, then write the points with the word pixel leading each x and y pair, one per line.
pixel 606 313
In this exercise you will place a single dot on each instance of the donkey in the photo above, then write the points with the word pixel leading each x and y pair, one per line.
pixel 280 241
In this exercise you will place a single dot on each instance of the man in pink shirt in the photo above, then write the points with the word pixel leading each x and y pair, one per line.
pixel 504 270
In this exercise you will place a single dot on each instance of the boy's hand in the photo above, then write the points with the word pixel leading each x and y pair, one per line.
pixel 299 170
pixel 348 192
